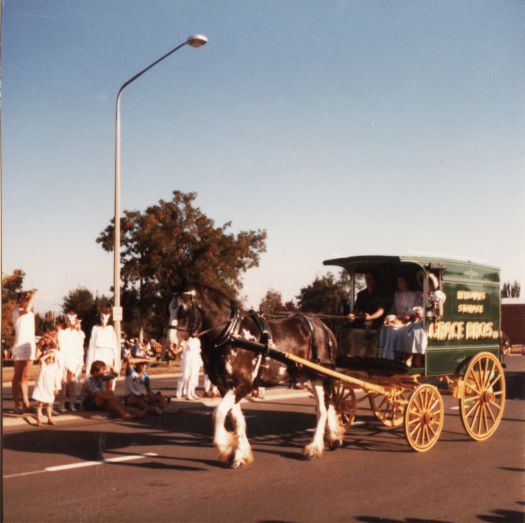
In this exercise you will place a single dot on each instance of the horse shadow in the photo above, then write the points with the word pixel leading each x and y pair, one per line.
pixel 284 433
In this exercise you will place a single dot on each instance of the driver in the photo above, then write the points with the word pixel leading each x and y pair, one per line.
pixel 369 307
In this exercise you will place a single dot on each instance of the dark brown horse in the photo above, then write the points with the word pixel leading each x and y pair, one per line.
pixel 235 359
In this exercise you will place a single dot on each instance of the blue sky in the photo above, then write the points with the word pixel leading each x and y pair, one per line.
pixel 341 127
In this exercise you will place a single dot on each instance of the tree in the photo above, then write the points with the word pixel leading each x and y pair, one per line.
pixel 326 294
pixel 171 244
pixel 271 302
pixel 11 287
pixel 511 290
pixel 85 305
pixel 43 323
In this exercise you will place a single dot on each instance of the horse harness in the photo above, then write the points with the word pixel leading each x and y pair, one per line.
pixel 231 335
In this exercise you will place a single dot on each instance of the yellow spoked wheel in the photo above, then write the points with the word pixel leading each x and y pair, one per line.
pixel 483 398
pixel 424 418
pixel 389 408
pixel 345 404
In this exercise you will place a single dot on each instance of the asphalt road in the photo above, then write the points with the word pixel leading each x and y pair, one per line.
pixel 165 469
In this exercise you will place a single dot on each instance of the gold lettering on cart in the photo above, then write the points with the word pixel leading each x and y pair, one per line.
pixel 471 308
pixel 461 330
pixel 472 295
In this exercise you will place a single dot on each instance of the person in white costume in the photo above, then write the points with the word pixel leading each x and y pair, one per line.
pixel 190 366
pixel 173 344
pixel 71 343
pixel 210 390
pixel 24 349
pixel 103 344
pixel 47 385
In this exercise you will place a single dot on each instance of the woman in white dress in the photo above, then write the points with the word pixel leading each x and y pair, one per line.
pixel 401 314
pixel 103 344
pixel 24 349
pixel 71 343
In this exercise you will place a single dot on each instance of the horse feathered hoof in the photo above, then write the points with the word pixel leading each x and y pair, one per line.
pixel 226 448
pixel 312 452
pixel 335 444
pixel 240 461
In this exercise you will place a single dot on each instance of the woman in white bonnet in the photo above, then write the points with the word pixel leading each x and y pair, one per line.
pixel 103 344
pixel 436 297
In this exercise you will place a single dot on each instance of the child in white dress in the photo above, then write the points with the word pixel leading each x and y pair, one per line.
pixel 47 385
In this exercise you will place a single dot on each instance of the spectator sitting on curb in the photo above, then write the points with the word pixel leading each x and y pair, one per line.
pixel 137 389
pixel 98 393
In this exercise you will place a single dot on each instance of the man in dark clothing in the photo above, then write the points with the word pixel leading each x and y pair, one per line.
pixel 369 306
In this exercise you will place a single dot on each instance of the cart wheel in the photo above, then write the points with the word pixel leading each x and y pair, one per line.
pixel 483 399
pixel 424 418
pixel 344 402
pixel 389 409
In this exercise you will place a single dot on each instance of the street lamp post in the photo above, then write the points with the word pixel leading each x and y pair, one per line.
pixel 193 41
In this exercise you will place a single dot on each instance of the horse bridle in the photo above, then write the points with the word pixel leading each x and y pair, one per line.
pixel 195 322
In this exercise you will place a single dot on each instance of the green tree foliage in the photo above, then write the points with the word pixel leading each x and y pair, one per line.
pixel 85 305
pixel 171 244
pixel 12 285
pixel 271 302
pixel 326 294
pixel 511 290
pixel 44 323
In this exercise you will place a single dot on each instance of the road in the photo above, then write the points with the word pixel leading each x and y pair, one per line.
pixel 165 469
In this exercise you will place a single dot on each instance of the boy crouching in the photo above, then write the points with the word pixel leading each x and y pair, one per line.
pixel 137 389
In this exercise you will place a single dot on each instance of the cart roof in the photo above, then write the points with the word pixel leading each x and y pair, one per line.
pixel 370 263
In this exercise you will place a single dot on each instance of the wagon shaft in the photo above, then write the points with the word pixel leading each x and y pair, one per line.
pixel 285 357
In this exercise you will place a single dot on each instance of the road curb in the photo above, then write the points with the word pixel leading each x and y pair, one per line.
pixel 119 379
pixel 12 421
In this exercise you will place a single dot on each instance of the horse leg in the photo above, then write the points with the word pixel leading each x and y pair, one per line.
pixel 223 439
pixel 316 447
pixel 335 431
pixel 243 453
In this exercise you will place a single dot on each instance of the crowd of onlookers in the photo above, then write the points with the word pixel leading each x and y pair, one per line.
pixel 75 375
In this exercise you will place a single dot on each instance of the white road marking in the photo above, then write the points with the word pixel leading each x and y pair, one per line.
pixel 82 464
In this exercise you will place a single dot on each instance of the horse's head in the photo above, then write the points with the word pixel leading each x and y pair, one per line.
pixel 199 308
pixel 184 311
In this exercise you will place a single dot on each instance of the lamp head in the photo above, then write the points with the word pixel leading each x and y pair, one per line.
pixel 197 40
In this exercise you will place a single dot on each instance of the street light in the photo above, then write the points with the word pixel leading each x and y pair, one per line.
pixel 195 41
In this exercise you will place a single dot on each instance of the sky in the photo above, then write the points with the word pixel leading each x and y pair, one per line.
pixel 341 128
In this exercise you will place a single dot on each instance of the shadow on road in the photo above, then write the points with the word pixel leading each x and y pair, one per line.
pixel 281 433
pixel 375 519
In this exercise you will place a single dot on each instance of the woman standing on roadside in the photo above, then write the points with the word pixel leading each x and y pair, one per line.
pixel 24 349
pixel 71 342
pixel 103 345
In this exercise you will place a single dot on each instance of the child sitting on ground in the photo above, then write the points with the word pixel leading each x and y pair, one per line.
pixel 98 393
pixel 137 389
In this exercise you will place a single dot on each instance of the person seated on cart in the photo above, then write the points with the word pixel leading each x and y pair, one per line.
pixel 366 318
pixel 413 339
pixel 401 314
pixel 369 307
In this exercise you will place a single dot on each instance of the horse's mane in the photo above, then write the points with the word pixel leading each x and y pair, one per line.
pixel 217 296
